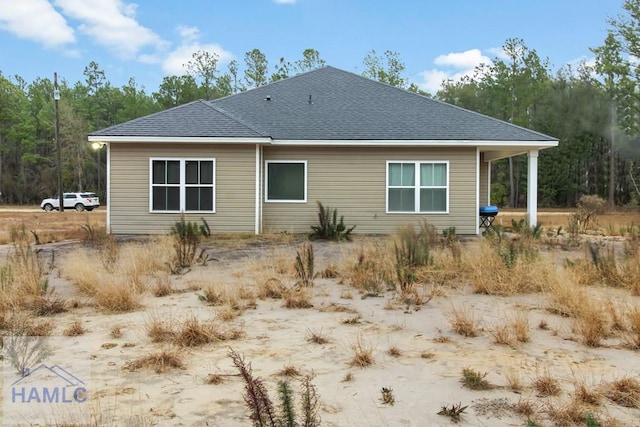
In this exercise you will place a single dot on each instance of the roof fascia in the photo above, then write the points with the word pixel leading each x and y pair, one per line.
pixel 178 139
pixel 422 142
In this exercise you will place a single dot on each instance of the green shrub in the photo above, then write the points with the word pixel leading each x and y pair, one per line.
pixel 329 227
pixel 187 236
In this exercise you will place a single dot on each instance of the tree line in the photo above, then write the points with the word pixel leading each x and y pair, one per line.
pixel 592 110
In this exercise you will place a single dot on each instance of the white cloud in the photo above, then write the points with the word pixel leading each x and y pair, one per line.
pixel 112 23
pixel 35 20
pixel 174 62
pixel 452 66
pixel 465 60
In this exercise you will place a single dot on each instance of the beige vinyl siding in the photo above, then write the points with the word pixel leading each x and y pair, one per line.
pixel 484 182
pixel 129 187
pixel 352 179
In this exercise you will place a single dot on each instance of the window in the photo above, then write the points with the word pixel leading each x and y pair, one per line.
pixel 286 181
pixel 182 185
pixel 418 187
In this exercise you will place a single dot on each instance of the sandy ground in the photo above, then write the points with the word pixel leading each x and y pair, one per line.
pixel 424 376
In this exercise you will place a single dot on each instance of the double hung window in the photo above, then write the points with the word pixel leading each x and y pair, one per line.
pixel 418 187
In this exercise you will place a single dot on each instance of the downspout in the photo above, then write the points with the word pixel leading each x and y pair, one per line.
pixel 258 205
pixel 108 190
pixel 477 212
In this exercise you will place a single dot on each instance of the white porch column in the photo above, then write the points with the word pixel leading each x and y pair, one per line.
pixel 532 188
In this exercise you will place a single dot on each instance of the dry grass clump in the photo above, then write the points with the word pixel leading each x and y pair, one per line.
pixel 513 380
pixel 546 385
pixel 74 329
pixel 362 353
pixel 297 297
pixel 23 280
pixel 587 394
pixel 591 323
pixel 394 351
pixel 463 321
pixel 163 286
pixel 632 338
pixel 317 337
pixel 501 269
pixel 235 296
pixel 117 296
pixel 289 371
pixel 565 297
pixel 214 379
pixel 269 287
pixel 159 328
pixel 160 362
pixel 193 333
pixel 116 331
pixel 338 308
pixel 372 269
pixel 625 392
pixel 567 414
pixel 514 329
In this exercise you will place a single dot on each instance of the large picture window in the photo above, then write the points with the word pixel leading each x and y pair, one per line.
pixel 182 185
pixel 418 187
pixel 286 181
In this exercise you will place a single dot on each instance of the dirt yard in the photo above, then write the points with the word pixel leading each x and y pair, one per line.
pixel 555 345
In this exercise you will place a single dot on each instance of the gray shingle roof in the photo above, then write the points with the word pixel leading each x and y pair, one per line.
pixel 195 119
pixel 326 104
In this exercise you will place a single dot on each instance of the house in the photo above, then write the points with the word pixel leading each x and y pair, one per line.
pixel 258 161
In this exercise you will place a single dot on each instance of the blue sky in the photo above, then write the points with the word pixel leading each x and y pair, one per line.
pixel 150 39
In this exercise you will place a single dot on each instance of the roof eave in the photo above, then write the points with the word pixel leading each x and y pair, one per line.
pixel 179 139
pixel 419 142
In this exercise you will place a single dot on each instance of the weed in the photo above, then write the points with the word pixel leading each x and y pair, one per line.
pixel 394 351
pixel 411 252
pixel 586 394
pixel 454 411
pixel 387 396
pixel 93 234
pixel 502 334
pixel 74 329
pixel 588 208
pixel 625 392
pixel 632 339
pixel 427 355
pixel 262 409
pixel 116 331
pixel 353 320
pixel 297 298
pixel 117 296
pixel 304 266
pixel 475 380
pixel 163 286
pixel 513 380
pixel 329 227
pixel 193 333
pixel 330 272
pixel 570 413
pixel 546 386
pixel 289 371
pixel 317 337
pixel 348 377
pixel 463 322
pixel 160 361
pixel 362 353
pixel 368 275
pixel 159 329
pixel 214 379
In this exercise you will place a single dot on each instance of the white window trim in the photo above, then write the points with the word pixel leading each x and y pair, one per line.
pixel 417 187
pixel 182 185
pixel 266 181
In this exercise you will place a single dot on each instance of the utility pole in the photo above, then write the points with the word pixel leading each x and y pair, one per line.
pixel 56 98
